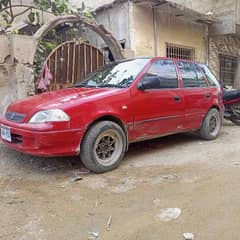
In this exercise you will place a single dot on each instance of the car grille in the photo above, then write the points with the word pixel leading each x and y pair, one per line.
pixel 15 117
pixel 16 138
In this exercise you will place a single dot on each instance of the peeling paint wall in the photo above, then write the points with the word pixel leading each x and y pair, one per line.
pixel 16 62
pixel 134 24
pixel 169 29
pixel 116 20
pixel 6 93
pixel 23 50
pixel 92 3
pixel 226 11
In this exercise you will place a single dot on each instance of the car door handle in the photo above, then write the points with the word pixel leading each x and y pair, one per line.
pixel 208 95
pixel 177 99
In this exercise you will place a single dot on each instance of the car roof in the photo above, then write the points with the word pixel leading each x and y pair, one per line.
pixel 155 58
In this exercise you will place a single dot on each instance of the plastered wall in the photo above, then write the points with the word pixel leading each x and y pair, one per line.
pixel 168 30
pixel 16 68
pixel 6 93
pixel 116 20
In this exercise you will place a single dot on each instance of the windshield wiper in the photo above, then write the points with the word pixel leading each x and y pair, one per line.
pixel 85 85
pixel 110 85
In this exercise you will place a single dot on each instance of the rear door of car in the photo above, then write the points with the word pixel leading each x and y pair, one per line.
pixel 159 111
pixel 197 94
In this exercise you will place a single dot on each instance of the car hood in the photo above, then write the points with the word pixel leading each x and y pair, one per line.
pixel 61 99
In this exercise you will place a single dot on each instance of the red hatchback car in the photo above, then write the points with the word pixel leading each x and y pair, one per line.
pixel 121 103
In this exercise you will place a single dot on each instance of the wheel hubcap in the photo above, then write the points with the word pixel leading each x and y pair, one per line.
pixel 105 147
pixel 108 147
pixel 213 124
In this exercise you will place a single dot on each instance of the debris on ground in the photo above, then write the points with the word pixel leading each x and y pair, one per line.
pixel 109 223
pixel 169 177
pixel 188 236
pixel 168 214
pixel 76 179
pixel 93 235
pixel 236 163
pixel 51 168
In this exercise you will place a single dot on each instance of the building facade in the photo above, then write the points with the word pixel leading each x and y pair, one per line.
pixel 147 29
pixel 207 31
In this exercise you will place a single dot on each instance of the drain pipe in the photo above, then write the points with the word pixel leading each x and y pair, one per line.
pixel 155 31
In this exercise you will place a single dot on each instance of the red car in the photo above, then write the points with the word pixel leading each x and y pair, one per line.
pixel 124 102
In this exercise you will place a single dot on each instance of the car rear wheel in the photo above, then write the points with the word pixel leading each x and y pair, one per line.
pixel 211 125
pixel 103 147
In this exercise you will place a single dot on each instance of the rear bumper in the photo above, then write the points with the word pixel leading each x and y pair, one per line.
pixel 43 140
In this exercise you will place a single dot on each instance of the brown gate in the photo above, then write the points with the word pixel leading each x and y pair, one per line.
pixel 71 61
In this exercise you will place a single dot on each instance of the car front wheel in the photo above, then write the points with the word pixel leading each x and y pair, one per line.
pixel 103 147
pixel 211 125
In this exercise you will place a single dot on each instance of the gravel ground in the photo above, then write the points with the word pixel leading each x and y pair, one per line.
pixel 162 189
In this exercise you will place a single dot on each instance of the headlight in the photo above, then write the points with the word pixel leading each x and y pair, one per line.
pixel 53 115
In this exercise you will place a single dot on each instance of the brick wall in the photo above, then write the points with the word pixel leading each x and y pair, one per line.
pixel 227 45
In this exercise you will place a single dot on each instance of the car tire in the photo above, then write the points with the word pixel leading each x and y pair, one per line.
pixel 103 147
pixel 211 125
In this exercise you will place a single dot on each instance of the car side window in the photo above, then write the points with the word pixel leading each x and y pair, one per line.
pixel 210 77
pixel 191 75
pixel 165 70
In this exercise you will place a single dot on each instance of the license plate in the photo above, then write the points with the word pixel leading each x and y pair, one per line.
pixel 6 133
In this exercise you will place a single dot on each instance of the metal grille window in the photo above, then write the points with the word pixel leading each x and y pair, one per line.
pixel 228 68
pixel 180 52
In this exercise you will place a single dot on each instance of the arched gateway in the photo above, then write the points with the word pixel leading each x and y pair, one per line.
pixel 71 62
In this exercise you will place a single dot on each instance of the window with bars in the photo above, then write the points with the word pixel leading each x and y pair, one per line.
pixel 180 52
pixel 228 68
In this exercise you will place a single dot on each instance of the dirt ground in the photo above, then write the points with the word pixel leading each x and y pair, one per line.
pixel 40 199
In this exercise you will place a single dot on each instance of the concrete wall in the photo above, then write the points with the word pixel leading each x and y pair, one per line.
pixel 16 62
pixel 169 30
pixel 134 24
pixel 116 20
pixel 92 3
pixel 226 11
pixel 5 97
pixel 23 50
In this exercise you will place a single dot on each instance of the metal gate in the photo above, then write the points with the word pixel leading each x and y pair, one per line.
pixel 71 61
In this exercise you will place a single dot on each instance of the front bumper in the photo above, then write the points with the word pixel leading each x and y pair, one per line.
pixel 46 139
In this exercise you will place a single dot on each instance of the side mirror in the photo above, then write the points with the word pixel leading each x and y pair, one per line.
pixel 149 82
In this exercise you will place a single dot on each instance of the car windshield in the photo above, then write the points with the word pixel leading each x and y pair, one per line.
pixel 119 74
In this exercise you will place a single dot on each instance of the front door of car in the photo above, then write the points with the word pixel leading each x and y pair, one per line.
pixel 159 108
pixel 197 94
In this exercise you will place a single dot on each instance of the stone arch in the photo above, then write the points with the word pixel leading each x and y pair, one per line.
pixel 108 38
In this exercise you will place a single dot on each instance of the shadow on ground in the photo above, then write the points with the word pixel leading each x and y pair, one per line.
pixel 12 159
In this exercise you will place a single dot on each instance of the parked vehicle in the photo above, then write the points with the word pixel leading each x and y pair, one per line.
pixel 122 103
pixel 231 100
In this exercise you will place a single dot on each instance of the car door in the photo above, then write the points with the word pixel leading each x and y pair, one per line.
pixel 158 111
pixel 197 94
